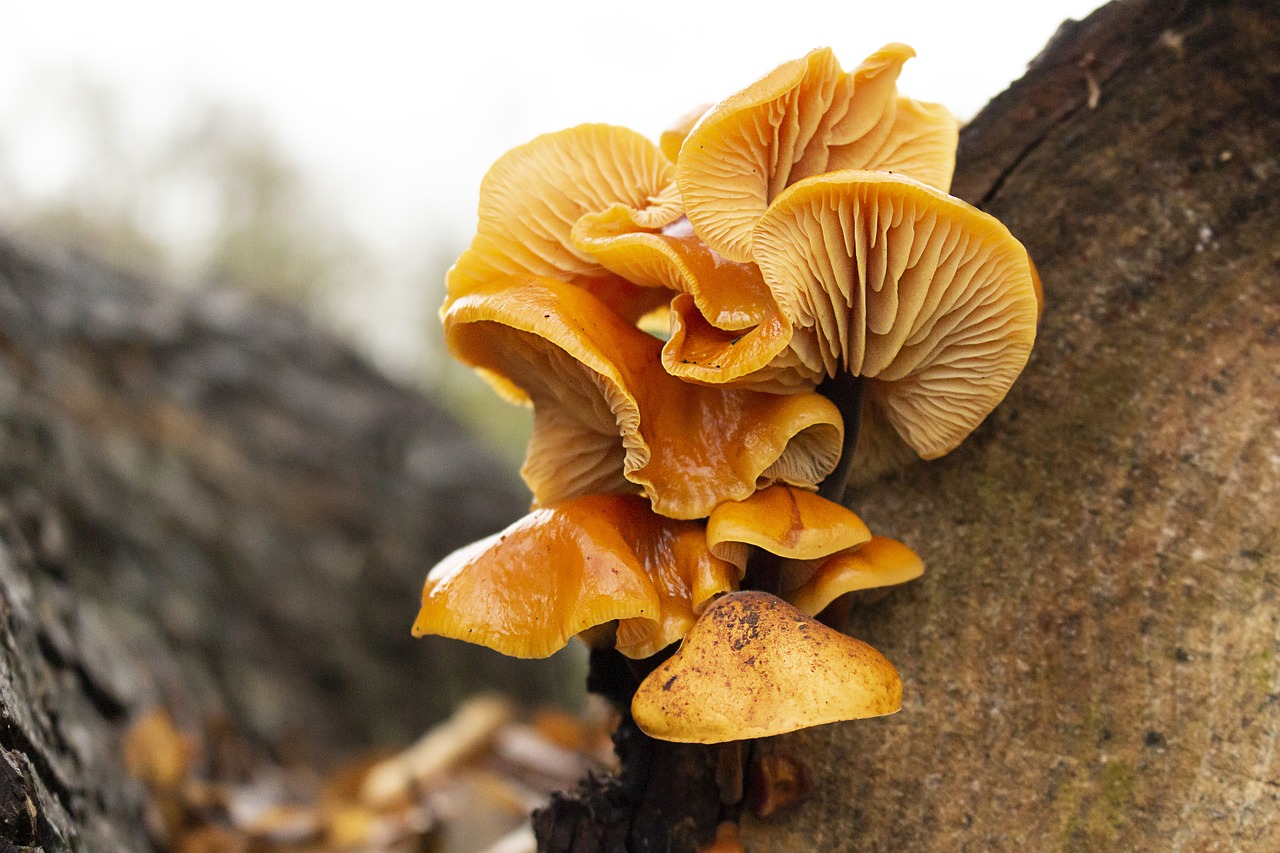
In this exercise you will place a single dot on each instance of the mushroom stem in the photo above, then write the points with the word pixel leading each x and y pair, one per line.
pixel 763 571
pixel 845 390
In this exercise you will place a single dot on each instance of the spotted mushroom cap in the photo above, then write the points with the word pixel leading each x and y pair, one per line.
pixel 754 666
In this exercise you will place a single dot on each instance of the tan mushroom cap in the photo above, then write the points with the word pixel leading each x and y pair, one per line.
pixel 608 418
pixel 754 666
pixel 930 299
pixel 877 563
pixel 532 196
pixel 786 521
pixel 565 569
pixel 804 118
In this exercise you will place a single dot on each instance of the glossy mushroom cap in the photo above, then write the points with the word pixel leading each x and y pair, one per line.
pixel 789 522
pixel 754 666
pixel 565 569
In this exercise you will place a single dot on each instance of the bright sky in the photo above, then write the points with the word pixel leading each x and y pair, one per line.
pixel 402 106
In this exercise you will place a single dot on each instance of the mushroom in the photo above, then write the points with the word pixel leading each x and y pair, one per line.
pixel 806 117
pixel 723 319
pixel 564 569
pixel 930 300
pixel 532 196
pixel 754 666
pixel 608 418
pixel 813 584
pixel 785 521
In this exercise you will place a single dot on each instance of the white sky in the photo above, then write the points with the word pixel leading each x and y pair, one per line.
pixel 396 109
pixel 402 106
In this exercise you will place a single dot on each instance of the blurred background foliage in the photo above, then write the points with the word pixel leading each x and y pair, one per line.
pixel 213 198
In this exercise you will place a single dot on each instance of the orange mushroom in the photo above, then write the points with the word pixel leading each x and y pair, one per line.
pixel 531 198
pixel 932 301
pixel 804 118
pixel 567 568
pixel 608 418
pixel 813 584
pixel 754 666
pixel 788 522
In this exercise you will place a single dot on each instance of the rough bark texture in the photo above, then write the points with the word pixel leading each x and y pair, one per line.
pixel 1090 661
pixel 205 505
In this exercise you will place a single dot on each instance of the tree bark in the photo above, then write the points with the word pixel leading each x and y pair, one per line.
pixel 205 506
pixel 1090 661
pixel 208 507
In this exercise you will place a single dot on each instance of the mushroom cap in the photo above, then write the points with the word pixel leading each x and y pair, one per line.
pixel 786 521
pixel 673 137
pixel 567 568
pixel 928 298
pixel 608 418
pixel 754 666
pixel 803 118
pixel 532 196
pixel 877 563
pixel 724 321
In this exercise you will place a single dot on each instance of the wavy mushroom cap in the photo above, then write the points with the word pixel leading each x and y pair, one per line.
pixel 532 196
pixel 754 666
pixel 786 521
pixel 804 118
pixel 723 321
pixel 608 418
pixel 813 584
pixel 931 300
pixel 567 568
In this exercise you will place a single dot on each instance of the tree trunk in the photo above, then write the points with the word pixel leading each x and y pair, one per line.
pixel 1090 661
pixel 204 506
pixel 207 507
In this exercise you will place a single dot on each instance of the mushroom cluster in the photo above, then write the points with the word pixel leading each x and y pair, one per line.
pixel 716 333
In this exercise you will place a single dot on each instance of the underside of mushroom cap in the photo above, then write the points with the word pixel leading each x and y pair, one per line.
pixel 533 195
pixel 928 298
pixel 806 117
pixel 608 418
pixel 754 666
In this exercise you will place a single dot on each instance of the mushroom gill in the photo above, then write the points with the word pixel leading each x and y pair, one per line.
pixel 806 117
pixel 932 301
pixel 532 196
